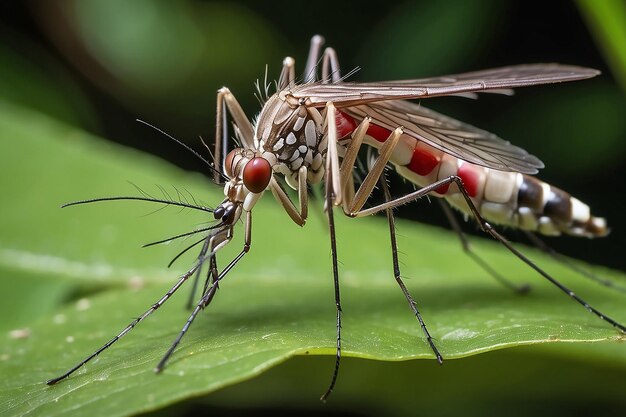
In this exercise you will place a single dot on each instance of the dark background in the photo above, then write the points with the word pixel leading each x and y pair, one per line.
pixel 101 65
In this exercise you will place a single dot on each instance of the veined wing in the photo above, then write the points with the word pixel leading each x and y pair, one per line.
pixel 350 94
pixel 448 135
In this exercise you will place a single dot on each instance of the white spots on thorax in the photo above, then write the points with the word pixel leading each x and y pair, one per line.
pixel 294 156
pixel 297 146
pixel 278 145
pixel 310 134
pixel 69 339
pixel 299 122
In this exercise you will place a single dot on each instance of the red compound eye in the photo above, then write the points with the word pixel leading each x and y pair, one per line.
pixel 257 174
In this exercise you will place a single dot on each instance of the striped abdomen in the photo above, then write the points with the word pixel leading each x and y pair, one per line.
pixel 506 198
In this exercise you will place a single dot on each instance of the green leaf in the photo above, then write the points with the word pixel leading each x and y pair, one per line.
pixel 607 22
pixel 277 302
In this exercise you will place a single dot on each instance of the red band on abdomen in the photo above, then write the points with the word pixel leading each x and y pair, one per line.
pixel 345 124
pixel 379 133
pixel 422 162
pixel 442 189
pixel 470 179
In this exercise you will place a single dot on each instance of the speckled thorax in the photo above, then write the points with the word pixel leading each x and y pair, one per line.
pixel 292 132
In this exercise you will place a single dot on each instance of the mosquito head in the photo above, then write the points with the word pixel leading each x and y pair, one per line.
pixel 249 174
pixel 254 171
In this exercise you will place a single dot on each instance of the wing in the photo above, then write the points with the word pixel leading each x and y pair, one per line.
pixel 449 135
pixel 350 94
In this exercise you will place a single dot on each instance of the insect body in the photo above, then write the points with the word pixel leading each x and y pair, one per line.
pixel 504 197
pixel 312 132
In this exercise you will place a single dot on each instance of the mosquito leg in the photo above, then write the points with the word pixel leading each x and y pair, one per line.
pixel 310 68
pixel 332 155
pixel 132 324
pixel 228 104
pixel 341 176
pixel 346 169
pixel 565 261
pixel 370 180
pixel 519 289
pixel 298 216
pixel 332 176
pixel 487 228
pixel 330 63
pixel 396 271
pixel 330 67
pixel 210 274
pixel 335 183
pixel 226 99
pixel 208 295
pixel 221 134
pixel 287 76
pixel 341 173
pixel 347 164
pixel 194 287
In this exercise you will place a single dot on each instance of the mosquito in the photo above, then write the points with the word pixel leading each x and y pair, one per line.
pixel 311 132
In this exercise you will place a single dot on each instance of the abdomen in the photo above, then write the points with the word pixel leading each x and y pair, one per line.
pixel 506 198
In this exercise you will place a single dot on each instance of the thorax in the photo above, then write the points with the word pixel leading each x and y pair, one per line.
pixel 292 132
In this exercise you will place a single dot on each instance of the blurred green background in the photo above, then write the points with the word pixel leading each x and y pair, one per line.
pixel 99 65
